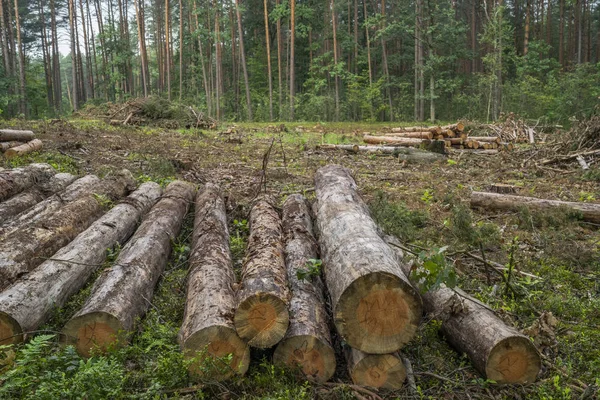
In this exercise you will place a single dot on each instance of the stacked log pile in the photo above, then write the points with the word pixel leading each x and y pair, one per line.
pixel 14 143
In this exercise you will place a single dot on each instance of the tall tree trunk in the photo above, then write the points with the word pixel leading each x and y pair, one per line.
pixel 167 48
pixel 549 27
pixel 142 39
pixel 527 28
pixel 243 57
pixel 355 36
pixel 55 61
pixel 205 82
pixel 4 41
pixel 473 36
pixel 88 56
pixel 579 30
pixel 218 64
pixel 105 78
pixel 75 96
pixel 21 60
pixel 368 44
pixel 279 63
pixel 268 43
pixel 561 34
pixel 386 69
pixel 180 50
pixel 292 57
pixel 93 44
pixel 335 61
pixel 46 57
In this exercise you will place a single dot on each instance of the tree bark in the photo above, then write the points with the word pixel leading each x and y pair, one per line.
pixel 384 371
pixel 16 180
pixel 32 196
pixel 394 141
pixel 180 50
pixel 11 134
pixel 268 44
pixel 28 303
pixel 494 201
pixel 25 248
pixel 335 61
pixel 262 317
pixel 375 308
pixel 292 58
pixel 210 304
pixel 72 22
pixel 21 60
pixel 168 49
pixel 243 57
pixel 279 74
pixel 436 130
pixel 142 43
pixel 55 61
pixel 29 147
pixel 123 292
pixel 307 344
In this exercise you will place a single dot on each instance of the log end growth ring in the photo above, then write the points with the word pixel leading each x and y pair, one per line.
pixel 314 358
pixel 222 353
pixel 378 313
pixel 513 360
pixel 379 371
pixel 10 330
pixel 98 330
pixel 262 320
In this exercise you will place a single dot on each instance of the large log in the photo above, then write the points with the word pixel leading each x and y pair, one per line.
pixel 458 127
pixel 25 248
pixel 434 130
pixel 495 201
pixel 376 370
pixel 375 308
pixel 124 292
pixel 32 196
pixel 7 135
pixel 210 304
pixel 16 180
pixel 498 351
pixel 262 316
pixel 29 147
pixel 486 139
pixel 7 145
pixel 27 304
pixel 307 343
pixel 394 141
pixel 414 135
pixel 403 153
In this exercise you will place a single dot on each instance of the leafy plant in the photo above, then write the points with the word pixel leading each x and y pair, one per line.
pixel 433 271
pixel 104 201
pixel 427 197
pixel 313 268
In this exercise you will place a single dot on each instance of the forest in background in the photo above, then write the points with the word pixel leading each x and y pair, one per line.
pixel 332 60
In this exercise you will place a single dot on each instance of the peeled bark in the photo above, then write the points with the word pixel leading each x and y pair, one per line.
pixel 376 370
pixel 29 302
pixel 307 344
pixel 16 180
pixel 34 195
pixel 394 141
pixel 375 308
pixel 25 248
pixel 123 292
pixel 495 201
pixel 7 135
pixel 435 130
pixel 7 145
pixel 29 147
pixel 262 317
pixel 210 303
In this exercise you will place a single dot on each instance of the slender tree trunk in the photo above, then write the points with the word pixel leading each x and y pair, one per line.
pixel 268 43
pixel 335 61
pixel 527 28
pixel 167 48
pixel 279 64
pixel 180 50
pixel 386 69
pixel 561 34
pixel 355 36
pixel 46 57
pixel 93 44
pixel 21 60
pixel 88 56
pixel 141 38
pixel 74 97
pixel 4 41
pixel 243 57
pixel 218 64
pixel 473 36
pixel 105 79
pixel 368 44
pixel 579 30
pixel 55 61
pixel 202 64
pixel 292 57
pixel 549 27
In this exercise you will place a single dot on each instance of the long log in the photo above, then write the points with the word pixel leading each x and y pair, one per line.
pixel 498 351
pixel 435 130
pixel 307 343
pixel 262 316
pixel 375 308
pixel 486 139
pixel 25 248
pixel 394 141
pixel 210 303
pixel 7 145
pixel 495 201
pixel 16 180
pixel 414 135
pixel 32 196
pixel 458 127
pixel 29 147
pixel 403 153
pixel 27 304
pixel 123 292
pixel 7 135
pixel 384 371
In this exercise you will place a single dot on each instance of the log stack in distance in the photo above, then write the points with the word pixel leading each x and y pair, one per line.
pixel 123 292
pixel 262 316
pixel 375 308
pixel 207 334
pixel 307 344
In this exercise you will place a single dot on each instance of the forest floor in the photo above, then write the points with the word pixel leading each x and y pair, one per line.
pixel 426 206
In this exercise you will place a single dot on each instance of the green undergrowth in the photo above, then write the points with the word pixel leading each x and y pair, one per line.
pixel 60 162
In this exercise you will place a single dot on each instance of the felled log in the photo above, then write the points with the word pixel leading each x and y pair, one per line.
pixel 403 153
pixel 506 146
pixel 458 127
pixel 394 141
pixel 411 134
pixel 486 139
pixel 455 141
pixel 307 344
pixel 27 304
pixel 494 201
pixel 502 188
pixel 16 180
pixel 262 316
pixel 376 370
pixel 29 147
pixel 123 292
pixel 7 145
pixel 25 248
pixel 375 309
pixel 34 195
pixel 6 135
pixel 210 302
pixel 477 152
pixel 435 130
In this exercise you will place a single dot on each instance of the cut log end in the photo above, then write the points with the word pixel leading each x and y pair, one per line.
pixel 262 320
pixel 218 351
pixel 378 313
pixel 310 355
pixel 94 331
pixel 379 371
pixel 10 330
pixel 513 360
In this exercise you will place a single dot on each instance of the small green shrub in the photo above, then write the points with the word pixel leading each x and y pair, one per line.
pixel 396 219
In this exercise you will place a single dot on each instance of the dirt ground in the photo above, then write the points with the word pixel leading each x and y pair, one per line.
pixel 564 253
